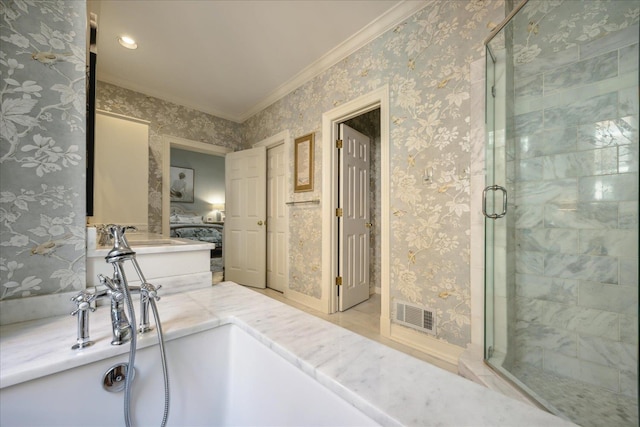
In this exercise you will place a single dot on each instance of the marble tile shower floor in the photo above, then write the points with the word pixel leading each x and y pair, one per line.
pixel 584 404
pixel 363 319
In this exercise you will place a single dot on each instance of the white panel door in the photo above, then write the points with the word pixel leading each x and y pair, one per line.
pixel 277 222
pixel 355 224
pixel 244 228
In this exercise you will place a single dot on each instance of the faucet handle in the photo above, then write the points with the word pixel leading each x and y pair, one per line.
pixel 108 282
pixel 83 302
pixel 150 290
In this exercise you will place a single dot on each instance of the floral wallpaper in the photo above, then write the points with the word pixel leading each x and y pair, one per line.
pixel 166 118
pixel 425 61
pixel 42 145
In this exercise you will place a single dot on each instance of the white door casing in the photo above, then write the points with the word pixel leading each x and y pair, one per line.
pixel 355 224
pixel 378 98
pixel 277 222
pixel 245 208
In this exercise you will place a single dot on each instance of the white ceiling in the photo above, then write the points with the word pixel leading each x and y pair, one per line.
pixel 233 58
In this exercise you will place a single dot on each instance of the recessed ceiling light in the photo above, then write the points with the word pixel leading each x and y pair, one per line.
pixel 127 42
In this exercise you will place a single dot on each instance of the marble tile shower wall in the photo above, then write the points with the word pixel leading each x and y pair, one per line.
pixel 576 202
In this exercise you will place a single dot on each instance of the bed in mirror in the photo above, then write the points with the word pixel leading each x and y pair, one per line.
pixel 185 224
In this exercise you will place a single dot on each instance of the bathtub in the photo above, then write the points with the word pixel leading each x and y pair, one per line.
pixel 218 377
pixel 237 357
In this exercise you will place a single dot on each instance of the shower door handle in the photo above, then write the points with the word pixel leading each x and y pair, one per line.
pixel 504 201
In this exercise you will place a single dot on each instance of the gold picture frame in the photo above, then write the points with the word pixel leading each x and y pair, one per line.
pixel 303 171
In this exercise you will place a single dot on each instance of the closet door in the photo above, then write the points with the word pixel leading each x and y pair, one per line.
pixel 245 227
pixel 277 219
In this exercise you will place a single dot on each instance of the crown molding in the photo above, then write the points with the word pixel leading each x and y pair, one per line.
pixel 382 24
pixel 374 29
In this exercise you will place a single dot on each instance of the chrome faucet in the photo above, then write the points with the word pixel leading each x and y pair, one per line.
pixel 103 236
pixel 147 291
pixel 104 233
pixel 121 327
pixel 83 302
pixel 114 289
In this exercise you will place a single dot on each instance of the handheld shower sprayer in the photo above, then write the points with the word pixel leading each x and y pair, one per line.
pixel 121 250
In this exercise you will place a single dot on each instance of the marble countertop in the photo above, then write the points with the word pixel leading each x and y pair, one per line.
pixel 390 387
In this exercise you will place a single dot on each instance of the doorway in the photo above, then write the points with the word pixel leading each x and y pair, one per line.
pixel 377 100
pixel 170 142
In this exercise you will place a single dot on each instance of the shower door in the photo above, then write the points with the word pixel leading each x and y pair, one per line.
pixel 561 297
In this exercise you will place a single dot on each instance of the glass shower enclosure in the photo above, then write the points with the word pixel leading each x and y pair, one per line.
pixel 561 207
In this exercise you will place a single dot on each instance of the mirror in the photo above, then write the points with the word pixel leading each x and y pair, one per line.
pixel 205 164
pixel 163 118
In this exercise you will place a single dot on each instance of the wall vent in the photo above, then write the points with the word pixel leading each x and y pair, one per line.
pixel 415 316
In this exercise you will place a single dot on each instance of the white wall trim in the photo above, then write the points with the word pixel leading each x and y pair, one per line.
pixel 330 120
pixel 277 139
pixel 122 116
pixel 306 300
pixel 169 141
pixel 197 146
pixel 442 350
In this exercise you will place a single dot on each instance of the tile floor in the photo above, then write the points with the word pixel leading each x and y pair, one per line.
pixel 363 319
pixel 576 399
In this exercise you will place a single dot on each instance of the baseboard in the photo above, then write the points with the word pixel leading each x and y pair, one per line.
pixel 446 352
pixel 306 300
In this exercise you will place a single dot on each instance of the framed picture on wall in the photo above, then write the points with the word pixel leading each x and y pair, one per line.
pixel 182 184
pixel 303 173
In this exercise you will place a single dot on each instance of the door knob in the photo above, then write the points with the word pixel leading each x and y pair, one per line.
pixel 368 224
pixel 260 222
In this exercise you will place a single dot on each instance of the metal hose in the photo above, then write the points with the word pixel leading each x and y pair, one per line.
pixel 120 252
pixel 163 356
pixel 132 347
pixel 132 354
